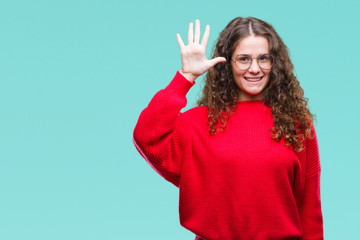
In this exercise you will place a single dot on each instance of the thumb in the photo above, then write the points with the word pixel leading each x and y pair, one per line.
pixel 217 60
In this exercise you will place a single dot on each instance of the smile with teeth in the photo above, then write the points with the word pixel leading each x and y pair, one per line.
pixel 253 79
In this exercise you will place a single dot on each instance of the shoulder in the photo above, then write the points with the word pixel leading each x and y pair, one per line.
pixel 312 142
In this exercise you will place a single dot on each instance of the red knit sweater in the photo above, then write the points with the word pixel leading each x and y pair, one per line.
pixel 235 185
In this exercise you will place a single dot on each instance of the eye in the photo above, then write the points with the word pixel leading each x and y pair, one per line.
pixel 264 58
pixel 243 59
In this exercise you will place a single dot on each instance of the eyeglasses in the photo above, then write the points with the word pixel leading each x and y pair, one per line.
pixel 243 62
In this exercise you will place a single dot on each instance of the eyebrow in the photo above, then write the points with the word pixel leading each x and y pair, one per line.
pixel 248 55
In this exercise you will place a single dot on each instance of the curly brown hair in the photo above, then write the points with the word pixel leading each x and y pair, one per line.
pixel 292 118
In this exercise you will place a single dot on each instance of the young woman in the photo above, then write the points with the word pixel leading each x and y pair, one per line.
pixel 246 160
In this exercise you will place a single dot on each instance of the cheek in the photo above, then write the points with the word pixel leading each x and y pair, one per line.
pixel 238 74
pixel 239 79
pixel 236 71
pixel 268 77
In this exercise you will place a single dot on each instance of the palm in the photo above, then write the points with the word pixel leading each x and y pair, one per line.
pixel 193 56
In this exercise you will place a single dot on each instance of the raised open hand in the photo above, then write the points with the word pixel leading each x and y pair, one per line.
pixel 193 56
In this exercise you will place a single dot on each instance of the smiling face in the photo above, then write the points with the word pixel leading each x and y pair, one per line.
pixel 251 81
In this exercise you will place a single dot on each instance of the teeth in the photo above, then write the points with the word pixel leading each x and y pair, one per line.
pixel 253 79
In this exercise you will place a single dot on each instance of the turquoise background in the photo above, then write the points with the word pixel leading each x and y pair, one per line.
pixel 75 75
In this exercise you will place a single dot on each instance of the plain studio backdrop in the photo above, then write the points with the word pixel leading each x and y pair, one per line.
pixel 75 75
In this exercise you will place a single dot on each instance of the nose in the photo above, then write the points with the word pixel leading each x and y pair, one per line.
pixel 254 67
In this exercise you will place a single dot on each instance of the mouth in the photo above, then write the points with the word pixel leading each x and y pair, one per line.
pixel 253 79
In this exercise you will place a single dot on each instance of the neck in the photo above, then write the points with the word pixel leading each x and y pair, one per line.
pixel 249 97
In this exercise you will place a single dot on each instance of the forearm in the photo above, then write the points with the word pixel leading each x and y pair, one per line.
pixel 311 213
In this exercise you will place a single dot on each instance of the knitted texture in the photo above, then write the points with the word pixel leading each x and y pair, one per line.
pixel 237 184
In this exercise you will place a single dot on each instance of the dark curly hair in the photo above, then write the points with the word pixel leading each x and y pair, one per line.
pixel 292 118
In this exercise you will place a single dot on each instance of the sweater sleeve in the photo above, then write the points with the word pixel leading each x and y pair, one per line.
pixel 160 133
pixel 310 213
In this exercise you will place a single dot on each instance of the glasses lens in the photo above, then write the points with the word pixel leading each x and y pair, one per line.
pixel 243 62
pixel 265 61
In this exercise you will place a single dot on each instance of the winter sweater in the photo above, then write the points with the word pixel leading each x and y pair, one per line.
pixel 235 185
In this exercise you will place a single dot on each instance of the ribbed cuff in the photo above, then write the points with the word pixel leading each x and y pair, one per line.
pixel 180 84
